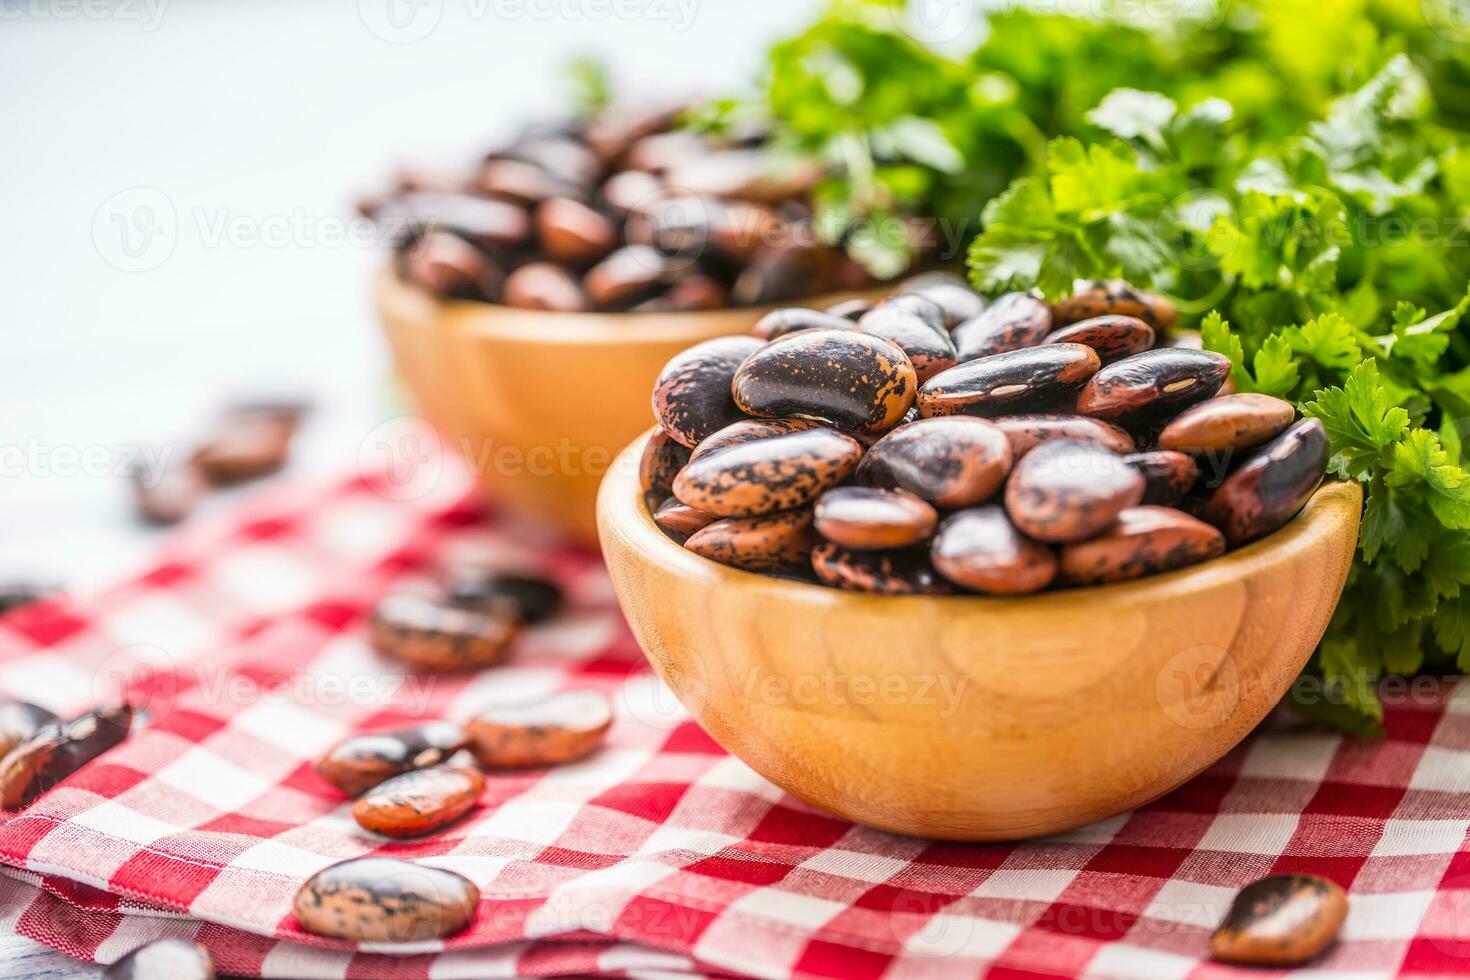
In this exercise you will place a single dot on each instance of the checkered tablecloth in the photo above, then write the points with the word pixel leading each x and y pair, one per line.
pixel 661 855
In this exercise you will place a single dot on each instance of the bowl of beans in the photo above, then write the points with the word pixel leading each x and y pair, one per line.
pixel 975 574
pixel 532 301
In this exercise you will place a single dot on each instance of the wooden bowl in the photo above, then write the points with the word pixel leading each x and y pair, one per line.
pixel 540 403
pixel 976 718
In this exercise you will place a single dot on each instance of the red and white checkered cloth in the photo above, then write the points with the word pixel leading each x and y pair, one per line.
pixel 661 855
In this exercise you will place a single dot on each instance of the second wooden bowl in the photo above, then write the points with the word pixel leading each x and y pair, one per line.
pixel 974 718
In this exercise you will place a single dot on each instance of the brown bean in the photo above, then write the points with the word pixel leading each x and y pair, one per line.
pixel 1142 541
pixel 418 802
pixel 867 518
pixel 696 292
pixel 1111 336
pixel 1272 485
pixel 659 152
pixel 1283 920
pixel 902 572
pixel 246 443
pixel 1067 490
pixel 565 159
pixel 953 462
pixel 782 271
pixel 925 341
pixel 360 762
pixel 439 637
pixel 385 900
pixel 1114 296
pixel 174 959
pixel 981 550
pixel 851 309
pixel 1034 379
pixel 57 750
pixel 20 721
pixel 544 286
pixel 779 542
pixel 790 319
pixel 562 728
pixel 691 398
pixel 675 224
pixel 749 430
pixel 663 458
pixel 1141 392
pixel 1014 321
pixel 841 377
pixel 951 292
pixel 530 598
pixel 626 276
pixel 1167 475
pixel 1226 423
pixel 167 493
pixel 917 304
pixel 518 182
pixel 1026 432
pixel 679 520
pixel 489 224
pixel 447 265
pixel 778 473
pixel 628 190
pixel 744 174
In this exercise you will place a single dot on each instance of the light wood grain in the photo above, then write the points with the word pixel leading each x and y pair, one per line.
pixel 540 403
pixel 973 718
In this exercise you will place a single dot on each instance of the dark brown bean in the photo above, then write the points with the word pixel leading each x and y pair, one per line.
pixel 851 309
pixel 696 292
pixel 1111 336
pixel 518 182
pixel 611 134
pixel 780 542
pixel 489 224
pixel 167 493
pixel 739 230
pixel 562 728
pixel 626 276
pixel 573 233
pixel 164 959
pixel 953 295
pixel 1035 379
pixel 246 443
pixel 866 518
pixel 692 396
pixel 844 378
pixel 661 151
pixel 360 762
pixel 904 572
pixel 782 271
pixel 1014 321
pixel 418 802
pixel 1068 490
pixel 530 598
pixel 438 637
pixel 1141 392
pixel 1142 541
pixel 13 595
pixel 924 340
pixel 1114 296
pixel 57 750
pixel 1272 485
pixel 565 159
pixel 626 191
pixel 544 286
pixel 744 174
pixel 749 430
pixel 663 458
pixel 981 550
pixel 767 475
pixel 675 224
pixel 1167 475
pixel 679 520
pixel 1283 920
pixel 790 319
pixel 1226 423
pixel 19 722
pixel 385 900
pixel 953 462
pixel 447 265
pixel 1026 432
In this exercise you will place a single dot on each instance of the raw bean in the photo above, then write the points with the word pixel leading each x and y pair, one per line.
pixel 530 598
pixel 663 458
pixel 518 182
pixel 1035 379
pixel 447 265
pixel 1068 490
pixel 435 637
pixel 775 543
pixel 679 521
pixel 57 750
pixel 981 550
pixel 1283 920
pixel 562 728
pixel 1026 432
pixel 19 721
pixel 612 133
pixel 1227 422
pixel 1111 336
pixel 544 286
pixel 1167 475
pixel 789 319
pixel 1114 296
pixel 954 296
pixel 739 230
pixel 844 378
pixel 164 959
pixel 661 151
pixel 1272 485
pixel 419 802
pixel 246 443
pixel 571 232
pixel 489 224
pixel 952 462
pixel 866 518
pixel 624 277
pixel 918 305
pixel 780 272
pixel 674 224
pixel 167 494
pixel 851 309
pixel 1142 541
pixel 767 475
pixel 905 572
pixel 385 900
pixel 626 191
pixel 1141 392
pixel 749 430
pixel 927 344
pixel 696 292
pixel 745 174
pixel 1014 321
pixel 692 398
pixel 565 159
pixel 360 762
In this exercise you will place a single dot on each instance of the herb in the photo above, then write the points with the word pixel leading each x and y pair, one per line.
pixel 588 84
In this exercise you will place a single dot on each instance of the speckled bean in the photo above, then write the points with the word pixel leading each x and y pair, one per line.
pixel 981 550
pixel 1281 921
pixel 1068 490
pixel 419 802
pixel 1272 485
pixel 1142 540
pixel 1034 379
pixel 872 518
pixel 1014 321
pixel 953 462
pixel 844 378
pixel 385 900
pixel 691 397
pixel 558 729
pixel 779 473
pixel 360 762
pixel 902 572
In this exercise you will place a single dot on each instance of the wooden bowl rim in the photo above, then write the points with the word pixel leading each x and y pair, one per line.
pixel 1335 504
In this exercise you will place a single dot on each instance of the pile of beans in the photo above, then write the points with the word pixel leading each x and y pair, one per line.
pixel 39 750
pixel 935 443
pixel 619 212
